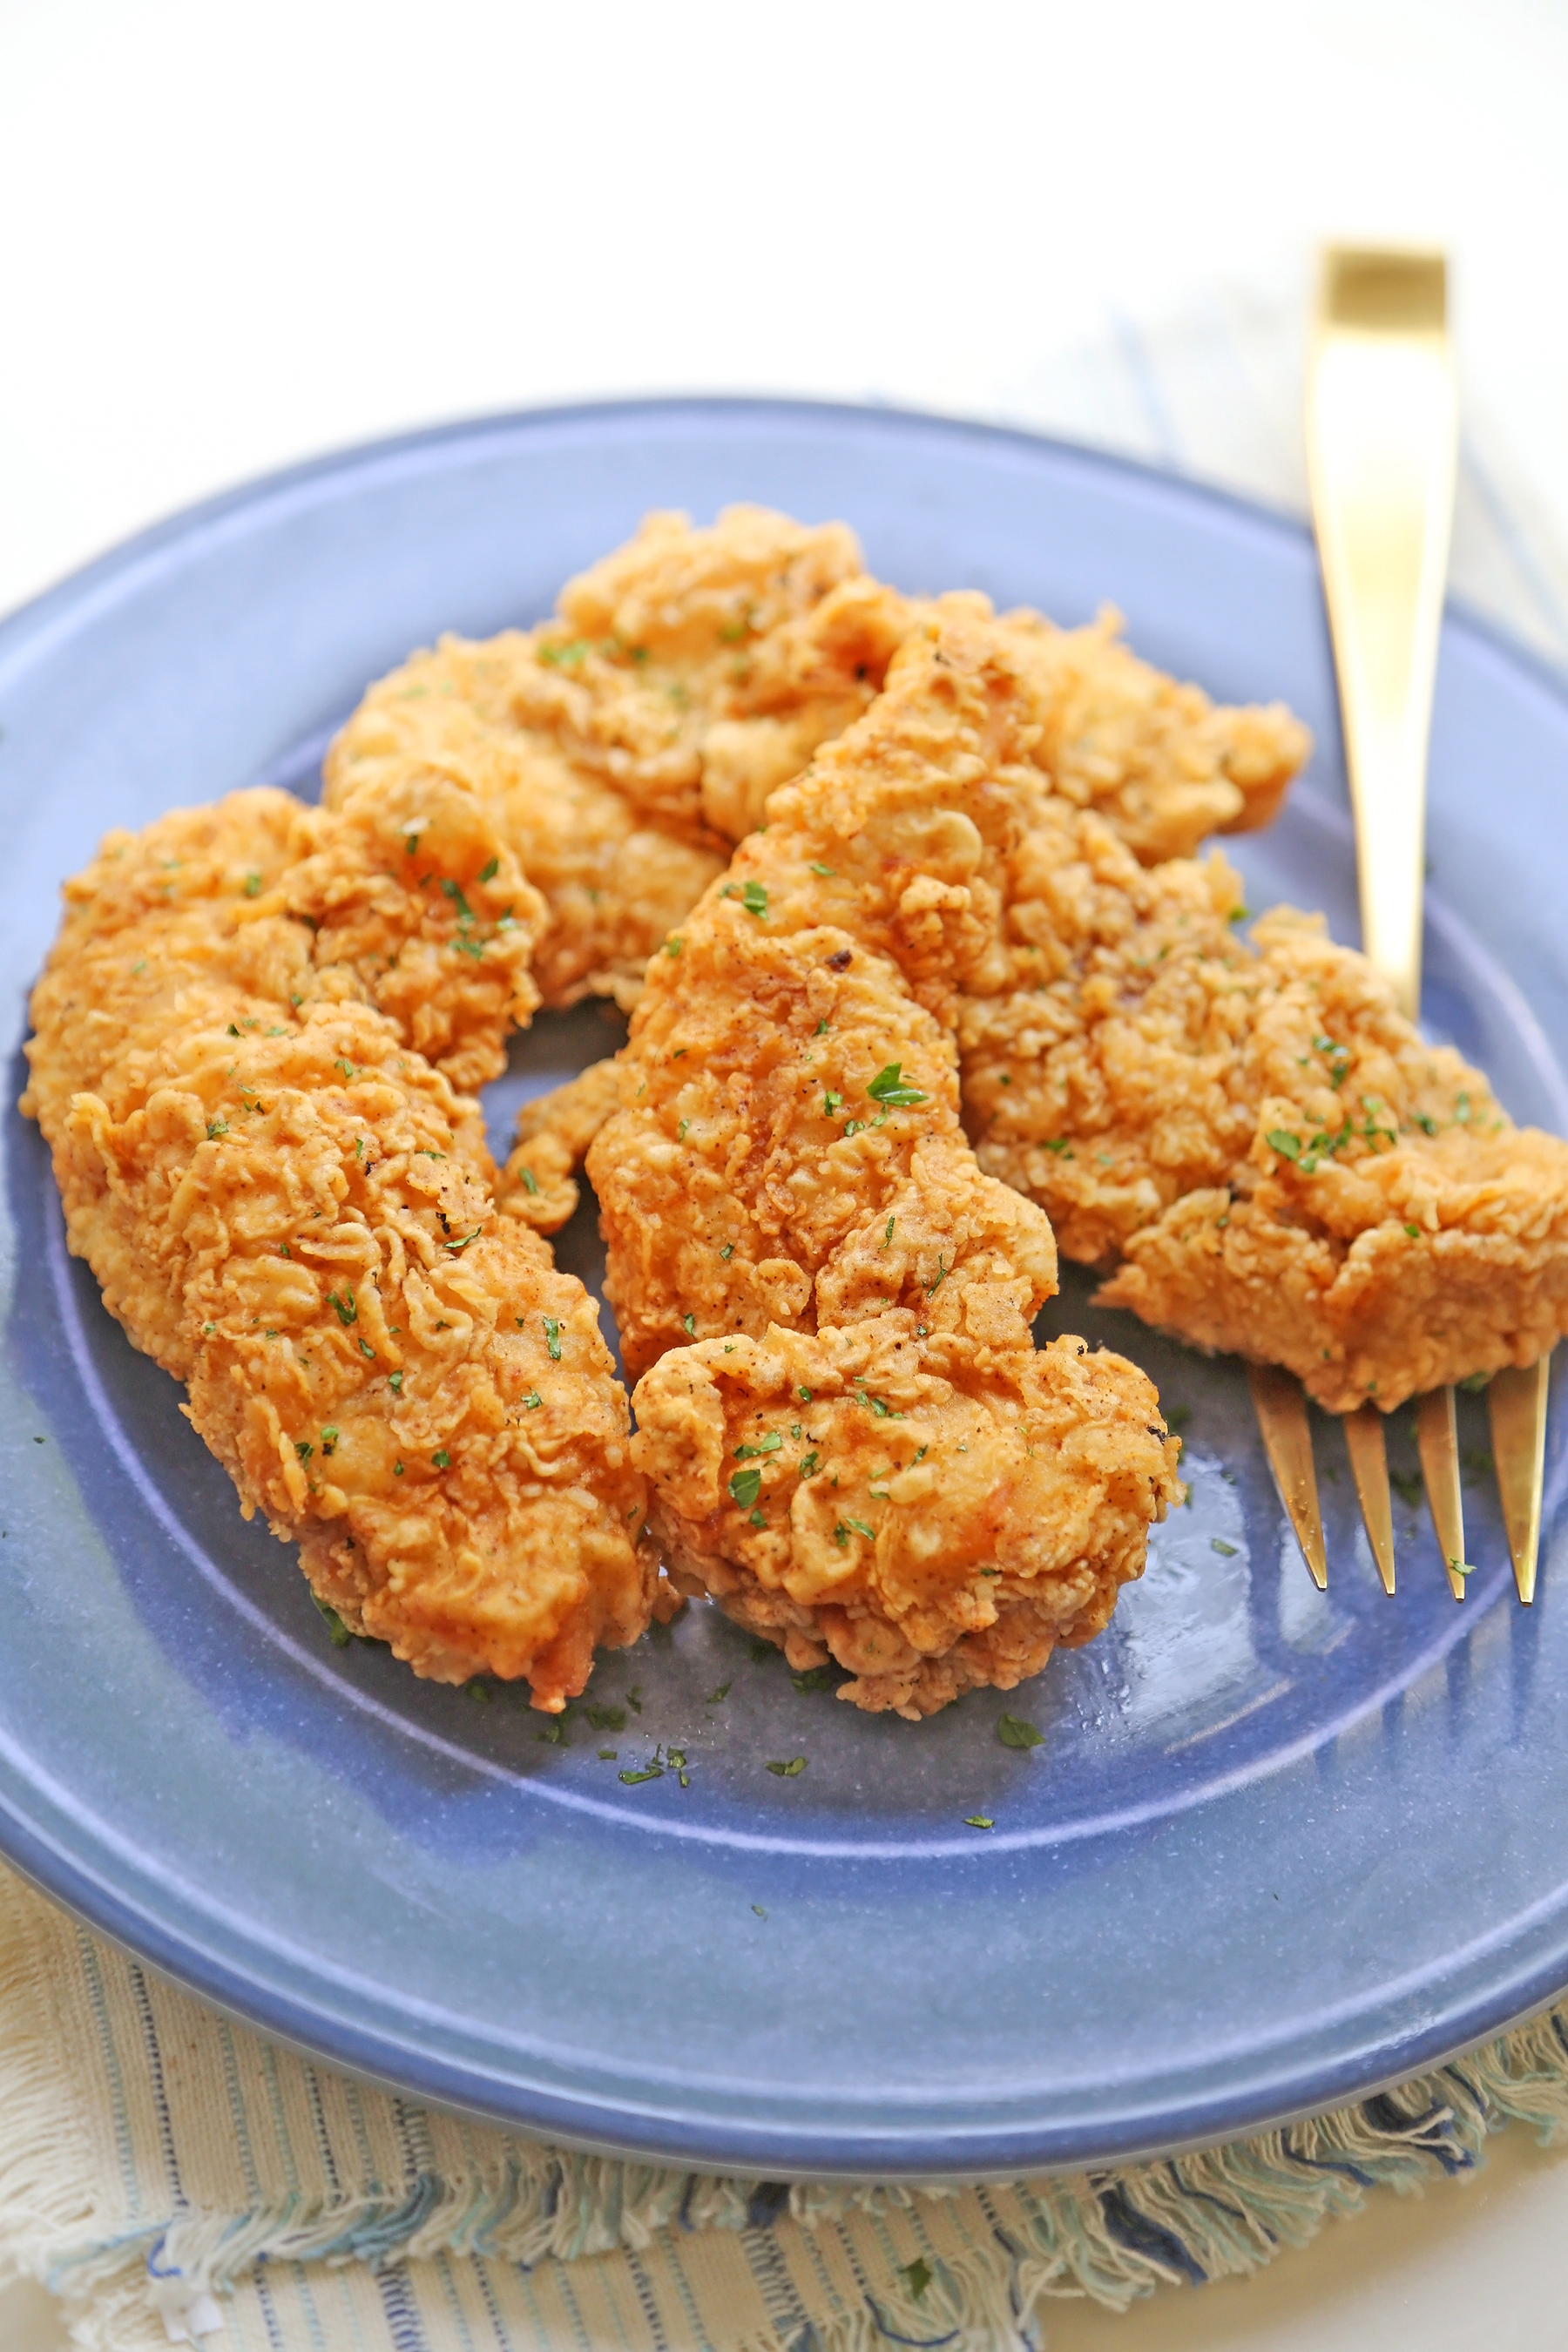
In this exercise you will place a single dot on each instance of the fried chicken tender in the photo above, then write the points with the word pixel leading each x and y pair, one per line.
pixel 853 1444
pixel 1283 1166
pixel 290 1210
pixel 621 748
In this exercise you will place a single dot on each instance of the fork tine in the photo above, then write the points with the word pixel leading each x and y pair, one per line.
pixel 1281 1408
pixel 1518 1405
pixel 1438 1441
pixel 1369 1467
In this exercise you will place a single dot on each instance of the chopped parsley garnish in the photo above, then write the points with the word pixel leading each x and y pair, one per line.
pixel 649 1772
pixel 760 1911
pixel 821 1028
pixel 815 1678
pixel 673 947
pixel 825 871
pixel 1413 1232
pixel 608 1755
pixel 339 1632
pixel 805 1395
pixel 551 1337
pixel 854 1126
pixel 440 1459
pixel 728 1252
pixel 715 1696
pixel 887 1235
pixel 217 1126
pixel 859 1528
pixel 768 1444
pixel 304 1448
pixel 831 1103
pixel 688 1325
pixel 456 1246
pixel 1288 1146
pixel 346 1067
pixel 607 1718
pixel 790 1771
pixel 395 1383
pixel 565 658
pixel 329 1441
pixel 252 885
pixel 745 1485
pixel 1225 1551
pixel 530 1182
pixel 1013 1731
pixel 806 1467
pixel 754 899
pixel 534 1401
pixel 891 1086
pixel 397 1469
pixel 681 1130
pixel 487 872
pixel 346 1308
pixel 971 1822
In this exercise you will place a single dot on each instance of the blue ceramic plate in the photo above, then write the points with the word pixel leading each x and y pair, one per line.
pixel 1275 1848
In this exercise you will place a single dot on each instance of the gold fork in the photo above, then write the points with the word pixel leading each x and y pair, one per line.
pixel 1381 449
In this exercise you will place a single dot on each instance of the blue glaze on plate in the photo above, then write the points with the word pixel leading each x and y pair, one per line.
pixel 1275 1848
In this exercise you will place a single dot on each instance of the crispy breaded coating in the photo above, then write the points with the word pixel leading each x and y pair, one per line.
pixel 1283 1165
pixel 1159 760
pixel 553 1132
pixel 620 748
pixel 853 1442
pixel 292 1211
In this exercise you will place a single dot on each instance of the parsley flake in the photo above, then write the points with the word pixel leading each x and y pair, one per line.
pixel 745 1485
pixel 395 1383
pixel 971 1822
pixel 337 1631
pixel 790 1771
pixel 346 1308
pixel 1013 1731
pixel 551 1337
pixel 768 1444
pixel 891 1086
pixel 440 1459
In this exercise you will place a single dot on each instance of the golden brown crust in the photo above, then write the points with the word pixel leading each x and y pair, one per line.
pixel 622 746
pixel 291 1210
pixel 841 1405
pixel 554 1133
pixel 1284 1167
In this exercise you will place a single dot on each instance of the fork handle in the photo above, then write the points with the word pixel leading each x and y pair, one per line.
pixel 1381 444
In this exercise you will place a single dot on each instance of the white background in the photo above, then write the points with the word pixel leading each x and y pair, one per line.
pixel 232 237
